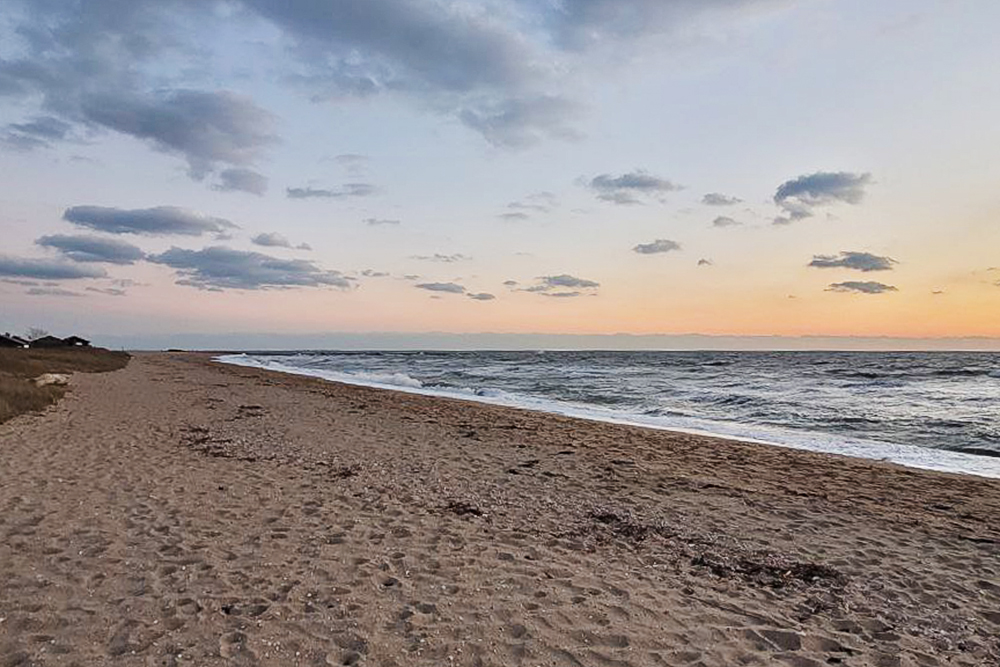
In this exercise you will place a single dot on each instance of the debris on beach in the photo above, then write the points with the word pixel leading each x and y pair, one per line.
pixel 56 379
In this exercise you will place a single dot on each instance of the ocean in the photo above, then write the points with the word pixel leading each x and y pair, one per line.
pixel 933 410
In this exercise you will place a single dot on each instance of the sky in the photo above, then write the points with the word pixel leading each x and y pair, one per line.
pixel 738 168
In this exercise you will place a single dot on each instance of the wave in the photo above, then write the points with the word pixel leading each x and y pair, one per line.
pixel 943 460
pixel 383 380
pixel 908 374
pixel 733 399
pixel 978 451
pixel 864 375
pixel 963 372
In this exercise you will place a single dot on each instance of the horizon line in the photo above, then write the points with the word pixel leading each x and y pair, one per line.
pixel 494 341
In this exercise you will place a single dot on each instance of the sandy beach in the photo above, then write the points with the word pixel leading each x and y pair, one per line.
pixel 181 512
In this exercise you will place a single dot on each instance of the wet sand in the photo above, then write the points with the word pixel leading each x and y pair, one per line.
pixel 179 512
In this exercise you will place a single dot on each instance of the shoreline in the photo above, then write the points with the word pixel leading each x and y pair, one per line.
pixel 908 456
pixel 184 512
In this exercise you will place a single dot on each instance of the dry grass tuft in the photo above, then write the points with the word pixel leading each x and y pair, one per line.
pixel 19 395
pixel 32 363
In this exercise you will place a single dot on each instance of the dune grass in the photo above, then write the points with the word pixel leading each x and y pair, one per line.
pixel 19 395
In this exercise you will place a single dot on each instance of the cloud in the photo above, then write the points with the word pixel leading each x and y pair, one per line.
pixel 705 262
pixel 371 273
pixel 452 288
pixel 523 122
pixel 40 132
pixel 128 282
pixel 21 142
pixel 798 197
pixel 375 222
pixel 109 291
pixel 353 163
pixel 102 65
pixel 218 268
pixel 51 291
pixel 561 285
pixel 510 283
pixel 512 216
pixel 23 283
pixel 481 296
pixel 862 287
pixel 586 25
pixel 566 280
pixel 158 221
pixel 439 257
pixel 346 190
pixel 241 180
pixel 824 188
pixel 860 261
pixel 402 44
pixel 631 188
pixel 538 202
pixel 274 240
pixel 462 60
pixel 205 128
pixel 656 247
pixel 723 221
pixel 718 199
pixel 46 269
pixel 501 69
pixel 83 248
pixel 497 67
pixel 271 240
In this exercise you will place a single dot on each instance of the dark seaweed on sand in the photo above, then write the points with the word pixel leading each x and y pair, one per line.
pixel 719 555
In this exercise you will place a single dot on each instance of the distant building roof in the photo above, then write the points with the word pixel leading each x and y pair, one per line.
pixel 76 340
pixel 8 340
pixel 48 341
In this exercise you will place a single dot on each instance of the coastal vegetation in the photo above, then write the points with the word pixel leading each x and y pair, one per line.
pixel 19 393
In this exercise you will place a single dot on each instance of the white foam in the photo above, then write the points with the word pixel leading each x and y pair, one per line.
pixel 906 455
pixel 381 380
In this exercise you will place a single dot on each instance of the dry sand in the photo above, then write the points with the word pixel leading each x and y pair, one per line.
pixel 179 512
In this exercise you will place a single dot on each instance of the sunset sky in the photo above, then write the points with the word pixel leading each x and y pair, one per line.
pixel 740 167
